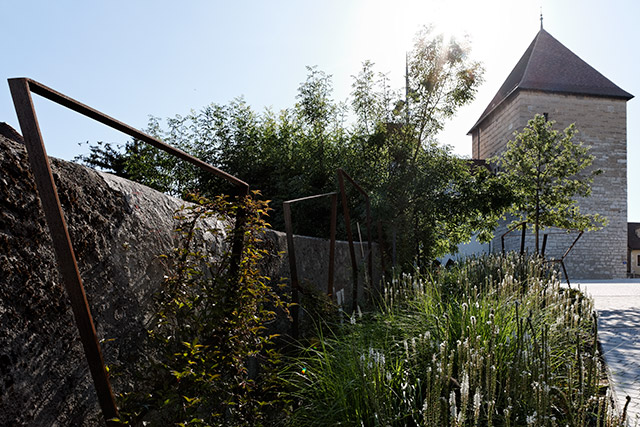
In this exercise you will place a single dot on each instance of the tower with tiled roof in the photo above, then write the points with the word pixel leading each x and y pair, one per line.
pixel 550 79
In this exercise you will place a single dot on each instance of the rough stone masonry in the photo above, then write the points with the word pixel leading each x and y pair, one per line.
pixel 118 229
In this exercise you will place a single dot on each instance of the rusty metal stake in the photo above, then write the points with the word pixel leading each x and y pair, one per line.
pixel 332 244
pixel 293 266
pixel 352 250
pixel 293 270
pixel 347 219
pixel 511 229
pixel 62 244
pixel 21 89
pixel 567 253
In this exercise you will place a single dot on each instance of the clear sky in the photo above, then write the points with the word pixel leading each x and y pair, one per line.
pixel 131 59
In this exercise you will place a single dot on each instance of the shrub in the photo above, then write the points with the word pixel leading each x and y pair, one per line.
pixel 209 359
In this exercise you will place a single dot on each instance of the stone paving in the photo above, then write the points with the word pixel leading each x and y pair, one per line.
pixel 618 306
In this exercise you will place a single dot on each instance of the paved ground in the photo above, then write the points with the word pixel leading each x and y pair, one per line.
pixel 618 306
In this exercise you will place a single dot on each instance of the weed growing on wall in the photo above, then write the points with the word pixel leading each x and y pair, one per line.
pixel 209 358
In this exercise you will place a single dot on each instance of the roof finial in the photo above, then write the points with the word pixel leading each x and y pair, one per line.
pixel 541 17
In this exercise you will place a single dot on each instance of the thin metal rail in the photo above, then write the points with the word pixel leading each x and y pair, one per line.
pixel 522 224
pixel 293 267
pixel 21 89
pixel 85 110
pixel 347 219
pixel 564 255
pixel 544 245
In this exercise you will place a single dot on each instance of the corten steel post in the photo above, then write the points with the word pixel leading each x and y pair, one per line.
pixel 293 267
pixel 21 89
pixel 383 268
pixel 347 219
pixel 293 270
pixel 369 232
pixel 522 238
pixel 62 244
pixel 544 243
pixel 561 259
pixel 352 250
pixel 332 245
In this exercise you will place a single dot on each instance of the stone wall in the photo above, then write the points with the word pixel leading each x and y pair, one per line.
pixel 601 123
pixel 490 137
pixel 118 229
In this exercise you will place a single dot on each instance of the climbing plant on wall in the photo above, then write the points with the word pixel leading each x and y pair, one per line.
pixel 209 357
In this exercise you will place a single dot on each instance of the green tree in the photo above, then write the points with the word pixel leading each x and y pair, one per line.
pixel 427 198
pixel 441 77
pixel 546 170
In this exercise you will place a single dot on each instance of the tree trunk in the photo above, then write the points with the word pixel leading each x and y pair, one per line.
pixel 537 225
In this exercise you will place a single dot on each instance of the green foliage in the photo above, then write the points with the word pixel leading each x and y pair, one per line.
pixel 441 78
pixel 546 171
pixel 428 200
pixel 209 358
pixel 508 347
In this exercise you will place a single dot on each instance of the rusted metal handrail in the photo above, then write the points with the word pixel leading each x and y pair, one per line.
pixel 85 110
pixel 293 268
pixel 564 255
pixel 347 219
pixel 21 89
pixel 522 224
pixel 545 236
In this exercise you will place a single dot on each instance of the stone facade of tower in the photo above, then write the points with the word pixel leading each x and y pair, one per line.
pixel 599 113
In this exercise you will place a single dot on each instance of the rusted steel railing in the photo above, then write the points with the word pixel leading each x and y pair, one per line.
pixel 544 245
pixel 293 268
pixel 21 89
pixel 347 220
pixel 564 255
pixel 522 238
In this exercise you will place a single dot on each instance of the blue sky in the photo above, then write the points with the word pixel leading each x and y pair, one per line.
pixel 132 59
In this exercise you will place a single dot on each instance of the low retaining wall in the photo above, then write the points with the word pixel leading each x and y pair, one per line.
pixel 118 229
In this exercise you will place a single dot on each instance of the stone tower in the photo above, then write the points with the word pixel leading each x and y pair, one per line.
pixel 550 79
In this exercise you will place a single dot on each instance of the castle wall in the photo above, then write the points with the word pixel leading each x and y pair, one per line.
pixel 490 137
pixel 601 123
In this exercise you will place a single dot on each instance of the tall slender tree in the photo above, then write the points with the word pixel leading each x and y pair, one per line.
pixel 547 171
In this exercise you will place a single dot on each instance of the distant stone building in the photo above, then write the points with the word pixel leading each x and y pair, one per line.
pixel 549 79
